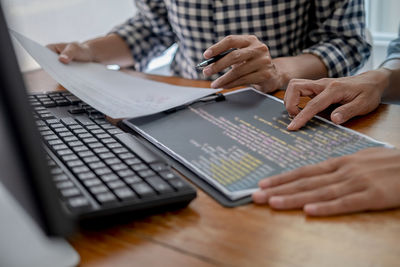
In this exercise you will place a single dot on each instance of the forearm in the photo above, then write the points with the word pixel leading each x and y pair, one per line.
pixel 304 66
pixel 110 49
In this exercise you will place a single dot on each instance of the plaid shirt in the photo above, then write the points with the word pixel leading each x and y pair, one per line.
pixel 333 30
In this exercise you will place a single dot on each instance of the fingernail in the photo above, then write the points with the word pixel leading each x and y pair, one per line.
pixel 207 54
pixel 64 56
pixel 264 184
pixel 310 209
pixel 214 84
pixel 276 202
pixel 260 196
pixel 207 71
pixel 337 118
pixel 291 125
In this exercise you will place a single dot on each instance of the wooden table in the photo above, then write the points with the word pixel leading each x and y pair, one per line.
pixel 207 234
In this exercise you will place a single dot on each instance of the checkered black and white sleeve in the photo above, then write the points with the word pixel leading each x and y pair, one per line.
pixel 148 33
pixel 339 39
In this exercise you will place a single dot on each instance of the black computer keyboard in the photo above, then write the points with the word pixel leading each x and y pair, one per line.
pixel 99 169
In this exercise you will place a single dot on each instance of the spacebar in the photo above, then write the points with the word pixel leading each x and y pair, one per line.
pixel 138 148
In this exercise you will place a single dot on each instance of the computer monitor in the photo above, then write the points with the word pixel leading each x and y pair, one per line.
pixel 23 168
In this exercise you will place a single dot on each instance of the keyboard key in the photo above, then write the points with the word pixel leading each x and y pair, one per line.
pixel 95 145
pixel 178 184
pixel 91 159
pixel 118 167
pixel 93 127
pixel 55 142
pixel 64 152
pixel 69 157
pixel 120 150
pixel 126 173
pixel 139 167
pixel 65 134
pixel 97 132
pixel 74 163
pixel 160 185
pixel 104 136
pixel 64 184
pixel 113 161
pixel 106 198
pixel 71 139
pixel 102 171
pixel 132 179
pixel 50 137
pixel 98 189
pixel 79 148
pixel 70 192
pixel 60 147
pixel 75 143
pixel 80 169
pixel 167 175
pixel 60 178
pixel 78 203
pixel 114 131
pixel 158 167
pixel 143 190
pixel 109 177
pixel 68 121
pixel 86 175
pixel 126 156
pixel 115 184
pixel 89 140
pixel 85 154
pixel 113 145
pixel 92 182
pixel 96 165
pixel 101 150
pixel 125 193
pixel 146 173
pixel 106 155
pixel 132 161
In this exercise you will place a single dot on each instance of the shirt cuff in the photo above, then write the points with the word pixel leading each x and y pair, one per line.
pixel 332 57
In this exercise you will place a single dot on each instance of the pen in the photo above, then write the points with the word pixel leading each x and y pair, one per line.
pixel 217 97
pixel 214 59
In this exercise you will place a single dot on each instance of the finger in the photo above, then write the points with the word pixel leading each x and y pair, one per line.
pixel 304 184
pixel 358 106
pixel 324 167
pixel 327 193
pixel 235 57
pixel 58 48
pixel 313 107
pixel 347 204
pixel 70 52
pixel 242 81
pixel 231 41
pixel 237 72
pixel 296 89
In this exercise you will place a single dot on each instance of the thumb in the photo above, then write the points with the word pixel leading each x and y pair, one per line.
pixel 348 111
pixel 69 53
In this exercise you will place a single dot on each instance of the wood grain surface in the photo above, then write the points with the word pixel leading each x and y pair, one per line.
pixel 207 234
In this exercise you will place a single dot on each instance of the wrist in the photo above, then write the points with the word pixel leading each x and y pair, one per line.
pixel 283 74
pixel 382 78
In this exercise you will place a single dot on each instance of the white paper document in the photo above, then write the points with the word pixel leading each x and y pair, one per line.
pixel 114 93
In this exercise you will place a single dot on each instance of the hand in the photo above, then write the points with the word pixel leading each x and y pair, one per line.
pixel 72 51
pixel 251 64
pixel 366 180
pixel 358 95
